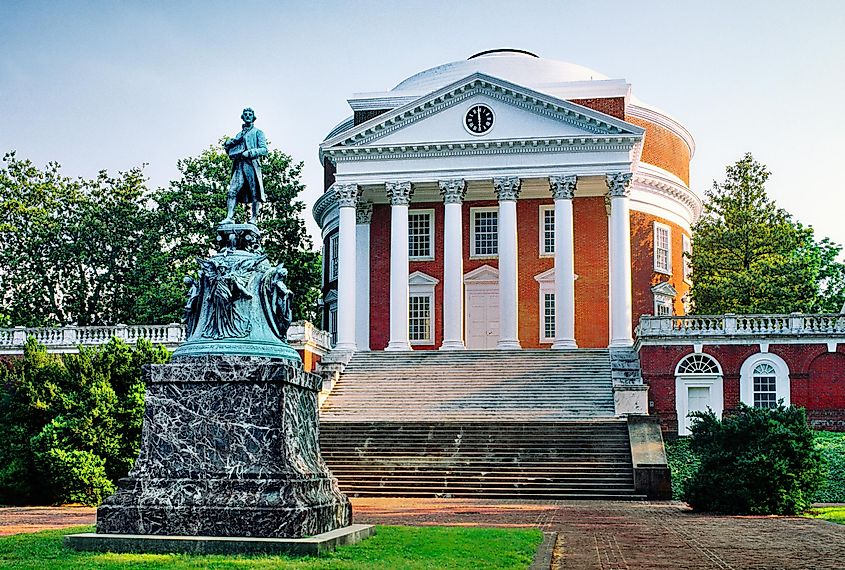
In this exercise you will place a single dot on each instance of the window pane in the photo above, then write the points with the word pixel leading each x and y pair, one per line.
pixel 486 225
pixel 661 248
pixel 549 231
pixel 333 247
pixel 764 380
pixel 549 315
pixel 419 234
pixel 419 318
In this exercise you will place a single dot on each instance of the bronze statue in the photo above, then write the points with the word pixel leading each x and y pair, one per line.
pixel 191 311
pixel 277 301
pixel 247 185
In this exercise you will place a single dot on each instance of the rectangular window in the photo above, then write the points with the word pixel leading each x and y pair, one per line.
pixel 687 245
pixel 548 317
pixel 765 392
pixel 333 323
pixel 663 308
pixel 485 232
pixel 419 318
pixel 547 230
pixel 421 234
pixel 662 250
pixel 333 247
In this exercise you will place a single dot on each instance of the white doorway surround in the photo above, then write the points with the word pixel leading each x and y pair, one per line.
pixel 481 287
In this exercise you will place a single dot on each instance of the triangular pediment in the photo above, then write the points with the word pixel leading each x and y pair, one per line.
pixel 519 114
pixel 664 289
pixel 420 278
pixel 483 274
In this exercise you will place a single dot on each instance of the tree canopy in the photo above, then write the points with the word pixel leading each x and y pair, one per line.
pixel 110 250
pixel 750 256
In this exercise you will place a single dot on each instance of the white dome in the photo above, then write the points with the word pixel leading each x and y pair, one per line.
pixel 516 66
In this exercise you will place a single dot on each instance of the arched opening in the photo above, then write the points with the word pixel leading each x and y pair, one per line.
pixel 698 387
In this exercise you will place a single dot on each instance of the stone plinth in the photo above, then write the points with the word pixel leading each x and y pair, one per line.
pixel 230 447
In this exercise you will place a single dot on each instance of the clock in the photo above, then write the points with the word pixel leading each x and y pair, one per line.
pixel 479 119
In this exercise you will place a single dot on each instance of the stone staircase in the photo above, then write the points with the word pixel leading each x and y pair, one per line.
pixel 524 385
pixel 532 424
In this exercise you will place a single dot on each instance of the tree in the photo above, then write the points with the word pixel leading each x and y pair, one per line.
pixel 189 210
pixel 72 251
pixel 758 461
pixel 749 256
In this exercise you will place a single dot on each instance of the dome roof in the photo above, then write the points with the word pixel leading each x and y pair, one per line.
pixel 516 66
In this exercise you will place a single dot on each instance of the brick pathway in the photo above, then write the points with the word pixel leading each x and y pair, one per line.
pixel 592 535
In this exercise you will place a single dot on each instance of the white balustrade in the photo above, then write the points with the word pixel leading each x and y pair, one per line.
pixel 759 326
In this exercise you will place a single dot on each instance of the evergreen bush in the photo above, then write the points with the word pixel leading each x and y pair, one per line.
pixel 756 461
pixel 72 423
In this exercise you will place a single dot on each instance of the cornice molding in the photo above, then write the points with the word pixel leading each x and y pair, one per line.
pixel 664 120
pixel 323 206
pixel 664 186
pixel 563 187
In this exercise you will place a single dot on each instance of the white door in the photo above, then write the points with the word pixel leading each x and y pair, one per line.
pixel 482 320
pixel 698 400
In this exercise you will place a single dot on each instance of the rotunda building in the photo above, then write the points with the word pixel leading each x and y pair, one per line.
pixel 506 201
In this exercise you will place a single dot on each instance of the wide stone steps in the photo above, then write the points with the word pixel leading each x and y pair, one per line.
pixel 519 386
pixel 529 460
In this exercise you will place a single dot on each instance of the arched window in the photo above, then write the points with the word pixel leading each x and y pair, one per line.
pixel 698 387
pixel 763 380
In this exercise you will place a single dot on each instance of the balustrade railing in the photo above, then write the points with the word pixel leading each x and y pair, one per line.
pixel 794 324
pixel 70 338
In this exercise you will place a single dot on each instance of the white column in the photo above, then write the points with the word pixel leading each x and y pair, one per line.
pixel 507 191
pixel 399 194
pixel 620 259
pixel 453 192
pixel 347 198
pixel 363 214
pixel 563 192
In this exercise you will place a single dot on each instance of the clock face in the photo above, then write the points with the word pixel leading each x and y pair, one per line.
pixel 479 119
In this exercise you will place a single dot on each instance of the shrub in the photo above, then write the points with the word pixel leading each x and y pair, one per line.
pixel 757 461
pixel 683 464
pixel 832 447
pixel 75 476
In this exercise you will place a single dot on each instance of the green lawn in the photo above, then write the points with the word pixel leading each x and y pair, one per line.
pixel 834 514
pixel 405 548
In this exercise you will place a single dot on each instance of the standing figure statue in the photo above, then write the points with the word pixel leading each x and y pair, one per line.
pixel 277 301
pixel 247 185
pixel 191 311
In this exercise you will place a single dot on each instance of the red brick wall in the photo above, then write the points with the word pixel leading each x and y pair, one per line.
pixel 817 378
pixel 380 277
pixel 433 268
pixel 664 148
pixel 613 106
pixel 591 267
pixel 530 265
pixel 642 264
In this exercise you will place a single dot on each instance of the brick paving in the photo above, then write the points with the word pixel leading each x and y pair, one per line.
pixel 601 535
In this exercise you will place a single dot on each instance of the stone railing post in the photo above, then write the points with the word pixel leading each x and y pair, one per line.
pixel 121 332
pixel 796 322
pixel 19 336
pixel 69 336
pixel 174 333
pixel 730 323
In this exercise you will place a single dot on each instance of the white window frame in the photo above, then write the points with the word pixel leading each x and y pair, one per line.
pixel 422 285
pixel 430 213
pixel 332 324
pixel 666 304
pixel 685 381
pixel 543 251
pixel 687 249
pixel 657 268
pixel 746 377
pixel 472 213
pixel 334 257
pixel 546 282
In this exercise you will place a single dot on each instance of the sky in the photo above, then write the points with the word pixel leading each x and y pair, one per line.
pixel 113 85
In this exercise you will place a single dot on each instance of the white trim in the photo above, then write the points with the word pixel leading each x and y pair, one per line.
pixel 682 385
pixel 431 226
pixel 543 209
pixel 472 212
pixel 334 255
pixel 546 281
pixel 746 379
pixel 686 248
pixel 652 115
pixel 422 285
pixel 657 268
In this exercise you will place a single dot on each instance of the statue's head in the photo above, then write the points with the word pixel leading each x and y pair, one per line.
pixel 188 280
pixel 248 116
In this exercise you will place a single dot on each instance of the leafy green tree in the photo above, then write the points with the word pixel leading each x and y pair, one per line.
pixel 189 210
pixel 756 461
pixel 750 256
pixel 73 251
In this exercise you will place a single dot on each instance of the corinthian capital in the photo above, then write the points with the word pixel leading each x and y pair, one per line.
pixel 563 187
pixel 453 191
pixel 363 212
pixel 347 194
pixel 399 193
pixel 618 184
pixel 507 188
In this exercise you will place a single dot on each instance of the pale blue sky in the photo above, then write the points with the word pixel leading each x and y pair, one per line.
pixel 112 85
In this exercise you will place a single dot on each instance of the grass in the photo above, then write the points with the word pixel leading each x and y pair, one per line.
pixel 833 514
pixel 405 548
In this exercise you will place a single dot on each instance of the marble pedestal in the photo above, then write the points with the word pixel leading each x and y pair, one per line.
pixel 229 447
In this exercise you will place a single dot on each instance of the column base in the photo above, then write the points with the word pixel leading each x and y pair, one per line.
pixel 621 343
pixel 508 345
pixel 453 345
pixel 398 345
pixel 345 347
pixel 564 344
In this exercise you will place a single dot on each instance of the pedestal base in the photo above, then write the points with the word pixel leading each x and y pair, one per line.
pixel 229 447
